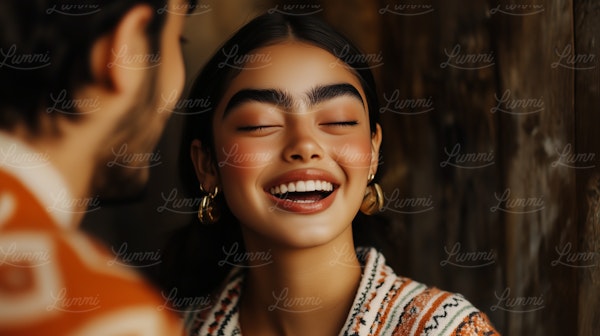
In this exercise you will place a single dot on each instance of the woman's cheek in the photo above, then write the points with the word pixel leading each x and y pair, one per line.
pixel 245 155
pixel 352 152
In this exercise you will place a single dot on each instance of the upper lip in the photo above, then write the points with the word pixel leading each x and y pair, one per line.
pixel 302 175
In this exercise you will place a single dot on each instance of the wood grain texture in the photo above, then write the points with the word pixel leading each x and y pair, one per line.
pixel 531 139
pixel 587 119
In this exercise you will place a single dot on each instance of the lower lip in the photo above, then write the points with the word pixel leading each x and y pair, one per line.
pixel 303 208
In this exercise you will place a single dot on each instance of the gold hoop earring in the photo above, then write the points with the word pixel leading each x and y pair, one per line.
pixel 373 199
pixel 208 213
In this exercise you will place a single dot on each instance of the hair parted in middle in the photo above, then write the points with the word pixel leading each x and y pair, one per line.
pixel 265 30
pixel 202 245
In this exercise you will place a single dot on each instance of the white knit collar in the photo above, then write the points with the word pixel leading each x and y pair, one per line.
pixel 227 306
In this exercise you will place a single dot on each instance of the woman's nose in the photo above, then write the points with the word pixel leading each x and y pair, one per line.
pixel 302 145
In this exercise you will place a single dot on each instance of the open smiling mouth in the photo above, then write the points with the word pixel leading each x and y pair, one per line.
pixel 310 191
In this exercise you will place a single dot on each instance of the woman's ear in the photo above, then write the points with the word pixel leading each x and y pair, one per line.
pixel 375 145
pixel 204 166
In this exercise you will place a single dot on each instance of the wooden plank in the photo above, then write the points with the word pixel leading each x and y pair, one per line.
pixel 407 94
pixel 587 120
pixel 438 87
pixel 467 159
pixel 531 139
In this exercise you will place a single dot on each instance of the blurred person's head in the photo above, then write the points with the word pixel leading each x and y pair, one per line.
pixel 82 80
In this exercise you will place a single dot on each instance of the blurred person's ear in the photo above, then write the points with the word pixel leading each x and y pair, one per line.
pixel 119 59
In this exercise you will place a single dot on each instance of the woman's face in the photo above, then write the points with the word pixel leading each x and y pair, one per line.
pixel 294 147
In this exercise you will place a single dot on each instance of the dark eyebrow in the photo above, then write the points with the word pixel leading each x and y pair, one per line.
pixel 322 93
pixel 283 100
pixel 269 96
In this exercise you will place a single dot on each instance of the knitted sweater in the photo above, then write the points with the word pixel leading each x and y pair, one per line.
pixel 385 304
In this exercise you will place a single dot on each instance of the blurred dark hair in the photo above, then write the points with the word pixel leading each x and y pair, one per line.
pixel 56 37
pixel 197 250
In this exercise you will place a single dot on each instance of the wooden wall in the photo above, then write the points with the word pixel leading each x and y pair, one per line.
pixel 491 152
pixel 493 107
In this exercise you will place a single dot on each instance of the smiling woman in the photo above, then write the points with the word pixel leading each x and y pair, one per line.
pixel 303 126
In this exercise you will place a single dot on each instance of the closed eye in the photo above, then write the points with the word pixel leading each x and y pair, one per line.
pixel 254 128
pixel 342 123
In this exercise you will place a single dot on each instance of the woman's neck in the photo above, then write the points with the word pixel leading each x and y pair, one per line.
pixel 302 292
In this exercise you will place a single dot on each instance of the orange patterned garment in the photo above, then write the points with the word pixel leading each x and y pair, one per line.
pixel 56 280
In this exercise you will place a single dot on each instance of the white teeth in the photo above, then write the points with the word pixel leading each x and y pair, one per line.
pixel 302 186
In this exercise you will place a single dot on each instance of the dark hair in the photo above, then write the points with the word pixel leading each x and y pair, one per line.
pixel 201 246
pixel 54 38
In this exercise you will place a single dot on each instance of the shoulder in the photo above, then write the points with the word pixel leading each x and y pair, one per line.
pixel 429 310
pixel 388 304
